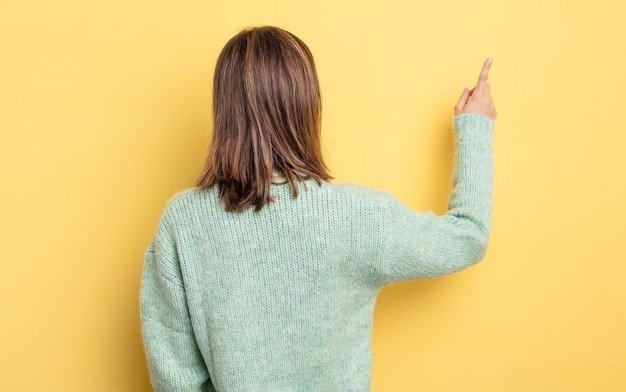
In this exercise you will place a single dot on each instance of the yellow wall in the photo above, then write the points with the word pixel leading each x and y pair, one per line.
pixel 104 114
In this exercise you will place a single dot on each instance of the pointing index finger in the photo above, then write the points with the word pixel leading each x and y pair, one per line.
pixel 484 73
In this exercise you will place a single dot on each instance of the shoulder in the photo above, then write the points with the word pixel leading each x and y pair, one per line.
pixel 183 203
pixel 361 194
pixel 188 195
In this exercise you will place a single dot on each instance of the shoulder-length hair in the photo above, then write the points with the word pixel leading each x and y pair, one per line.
pixel 266 118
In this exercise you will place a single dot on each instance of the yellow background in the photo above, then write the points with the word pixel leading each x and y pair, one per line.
pixel 104 114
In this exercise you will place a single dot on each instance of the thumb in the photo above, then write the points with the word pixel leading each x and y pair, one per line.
pixel 462 101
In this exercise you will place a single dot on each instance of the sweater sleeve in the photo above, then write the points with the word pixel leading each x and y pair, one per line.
pixel 421 245
pixel 174 359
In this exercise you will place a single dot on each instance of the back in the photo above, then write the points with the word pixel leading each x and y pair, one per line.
pixel 287 291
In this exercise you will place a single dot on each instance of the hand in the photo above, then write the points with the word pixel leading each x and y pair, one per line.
pixel 478 100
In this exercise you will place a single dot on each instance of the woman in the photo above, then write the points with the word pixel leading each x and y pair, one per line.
pixel 263 277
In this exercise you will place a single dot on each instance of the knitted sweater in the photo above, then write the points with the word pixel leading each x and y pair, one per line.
pixel 282 300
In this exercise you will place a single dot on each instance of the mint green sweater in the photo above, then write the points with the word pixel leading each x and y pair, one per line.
pixel 282 300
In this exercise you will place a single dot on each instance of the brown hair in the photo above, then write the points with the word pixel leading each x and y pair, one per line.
pixel 266 118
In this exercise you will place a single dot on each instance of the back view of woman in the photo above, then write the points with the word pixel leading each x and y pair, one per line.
pixel 263 277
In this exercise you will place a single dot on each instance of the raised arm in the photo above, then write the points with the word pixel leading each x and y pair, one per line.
pixel 425 245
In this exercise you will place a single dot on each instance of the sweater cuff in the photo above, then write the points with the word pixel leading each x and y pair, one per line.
pixel 473 126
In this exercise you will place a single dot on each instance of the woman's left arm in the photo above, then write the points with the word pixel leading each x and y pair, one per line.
pixel 174 359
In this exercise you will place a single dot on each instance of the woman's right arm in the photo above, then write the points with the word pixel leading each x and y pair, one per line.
pixel 426 245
